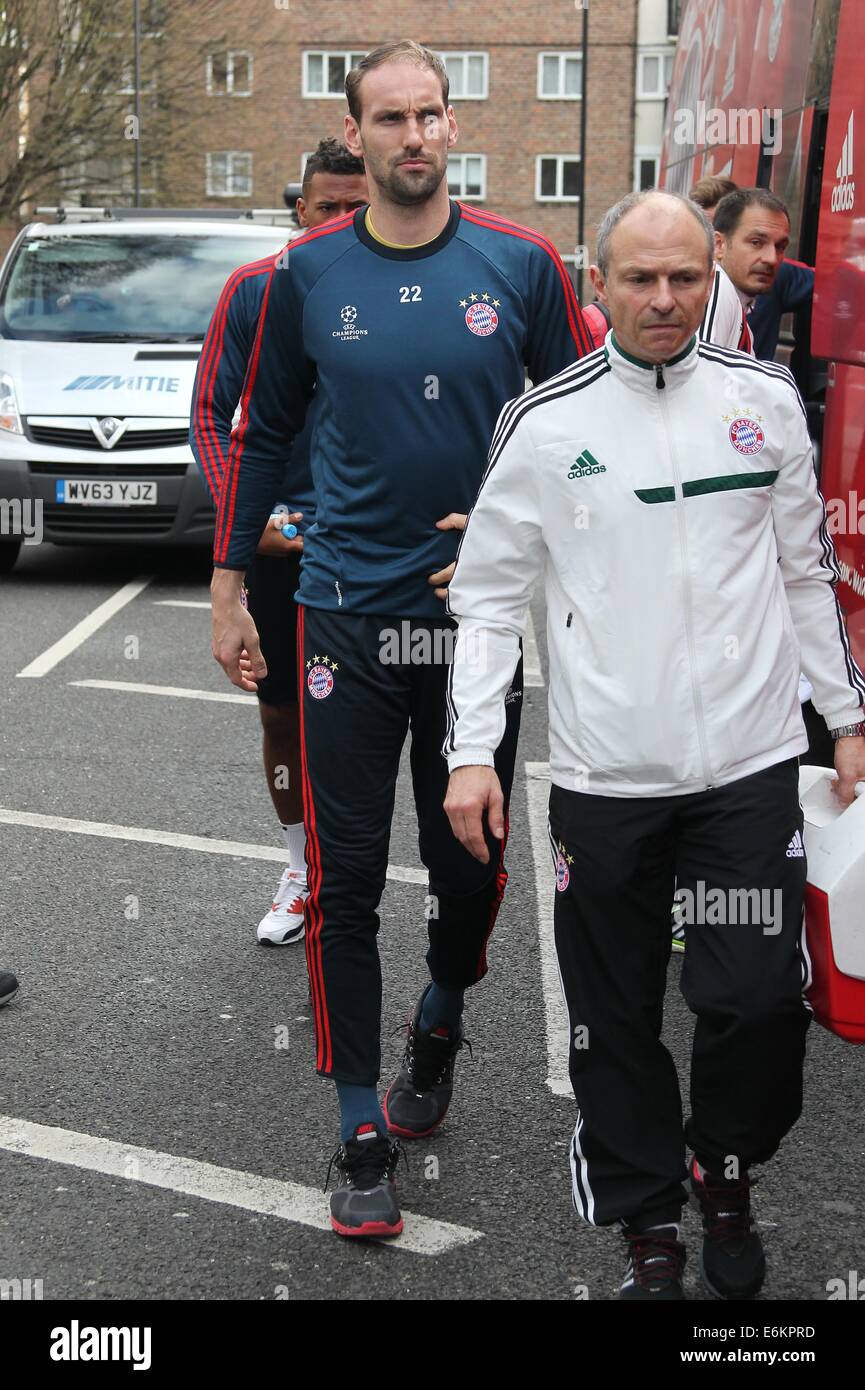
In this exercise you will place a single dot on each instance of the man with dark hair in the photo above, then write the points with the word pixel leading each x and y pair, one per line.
pixel 412 321
pixel 334 184
pixel 708 192
pixel 752 227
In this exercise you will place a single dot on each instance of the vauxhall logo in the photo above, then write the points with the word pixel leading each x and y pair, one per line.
pixel 844 192
pixel 586 465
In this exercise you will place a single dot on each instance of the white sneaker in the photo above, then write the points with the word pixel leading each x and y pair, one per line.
pixel 283 924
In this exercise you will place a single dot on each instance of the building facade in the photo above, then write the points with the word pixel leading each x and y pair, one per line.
pixel 249 100
pixel 266 94
pixel 657 31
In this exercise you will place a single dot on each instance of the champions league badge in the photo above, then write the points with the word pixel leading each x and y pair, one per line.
pixel 746 436
pixel 481 316
pixel 319 678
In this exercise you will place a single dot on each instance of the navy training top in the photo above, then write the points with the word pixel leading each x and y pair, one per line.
pixel 792 287
pixel 411 353
pixel 218 387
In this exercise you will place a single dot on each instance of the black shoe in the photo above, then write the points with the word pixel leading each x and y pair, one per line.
pixel 732 1263
pixel 8 987
pixel 656 1261
pixel 365 1203
pixel 417 1101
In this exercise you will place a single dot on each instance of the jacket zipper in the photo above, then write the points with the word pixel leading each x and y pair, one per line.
pixel 686 579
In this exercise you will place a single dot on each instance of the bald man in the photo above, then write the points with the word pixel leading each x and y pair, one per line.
pixel 665 488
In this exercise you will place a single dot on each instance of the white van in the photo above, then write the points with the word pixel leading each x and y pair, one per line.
pixel 101 324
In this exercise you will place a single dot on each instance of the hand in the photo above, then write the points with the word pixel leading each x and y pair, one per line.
pixel 235 642
pixel 454 521
pixel 850 766
pixel 471 792
pixel 273 542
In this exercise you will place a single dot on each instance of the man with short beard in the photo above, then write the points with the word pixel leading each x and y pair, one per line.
pixel 413 321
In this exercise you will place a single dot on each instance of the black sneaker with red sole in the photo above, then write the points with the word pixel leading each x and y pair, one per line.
pixel 417 1100
pixel 732 1263
pixel 365 1201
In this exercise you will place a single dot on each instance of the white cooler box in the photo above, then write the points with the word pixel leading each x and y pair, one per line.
pixel 835 903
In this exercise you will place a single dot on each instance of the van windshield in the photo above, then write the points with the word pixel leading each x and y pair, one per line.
pixel 106 288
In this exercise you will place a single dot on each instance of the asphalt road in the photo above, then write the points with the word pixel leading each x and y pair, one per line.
pixel 159 1031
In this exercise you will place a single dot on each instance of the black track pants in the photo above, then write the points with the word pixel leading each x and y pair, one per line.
pixel 733 857
pixel 356 710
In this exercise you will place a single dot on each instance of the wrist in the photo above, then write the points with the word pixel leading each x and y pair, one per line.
pixel 226 584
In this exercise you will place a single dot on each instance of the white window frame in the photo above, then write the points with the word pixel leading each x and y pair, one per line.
pixel 561 54
pixel 560 159
pixel 663 54
pixel 230 55
pixel 642 152
pixel 230 175
pixel 465 54
pixel 327 53
pixel 462 157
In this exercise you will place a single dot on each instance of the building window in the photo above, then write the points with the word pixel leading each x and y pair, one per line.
pixel 654 70
pixel 468 75
pixel 325 71
pixel 229 74
pixel 647 164
pixel 673 8
pixel 229 174
pixel 560 76
pixel 557 178
pixel 467 175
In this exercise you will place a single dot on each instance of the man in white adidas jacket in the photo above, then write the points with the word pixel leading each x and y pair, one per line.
pixel 665 488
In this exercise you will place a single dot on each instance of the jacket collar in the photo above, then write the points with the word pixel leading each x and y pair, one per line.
pixel 644 376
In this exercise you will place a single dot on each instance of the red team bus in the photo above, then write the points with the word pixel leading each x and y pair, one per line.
pixel 771 92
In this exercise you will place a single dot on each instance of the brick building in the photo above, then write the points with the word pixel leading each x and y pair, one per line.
pixel 254 86
pixel 271 89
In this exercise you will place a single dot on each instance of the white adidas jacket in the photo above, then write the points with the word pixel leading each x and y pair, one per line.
pixel 687 567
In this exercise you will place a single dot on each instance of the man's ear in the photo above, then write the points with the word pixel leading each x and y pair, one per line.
pixel 351 132
pixel 599 284
pixel 453 128
pixel 300 209
pixel 720 246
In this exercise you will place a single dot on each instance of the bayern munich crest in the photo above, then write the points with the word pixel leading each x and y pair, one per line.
pixel 319 676
pixel 481 316
pixel 746 435
pixel 563 874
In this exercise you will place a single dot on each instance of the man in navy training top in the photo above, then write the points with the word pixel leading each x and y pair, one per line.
pixel 334 183
pixel 413 322
pixel 754 233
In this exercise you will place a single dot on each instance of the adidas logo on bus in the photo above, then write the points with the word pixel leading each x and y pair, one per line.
pixel 844 192
pixel 586 465
pixel 795 849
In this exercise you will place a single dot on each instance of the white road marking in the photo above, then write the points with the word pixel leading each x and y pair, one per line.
pixel 230 697
pixel 181 603
pixel 538 793
pixel 289 1201
pixel 54 654
pixel 397 873
pixel 532 673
